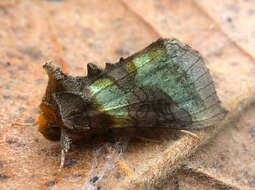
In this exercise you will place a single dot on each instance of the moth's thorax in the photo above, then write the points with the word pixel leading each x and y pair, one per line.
pixel 62 90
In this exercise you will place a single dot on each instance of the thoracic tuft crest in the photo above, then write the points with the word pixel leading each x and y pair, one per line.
pixel 93 70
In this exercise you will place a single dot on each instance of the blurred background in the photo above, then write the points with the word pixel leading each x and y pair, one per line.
pixel 72 33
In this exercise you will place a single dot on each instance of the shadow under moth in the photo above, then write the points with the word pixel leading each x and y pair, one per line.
pixel 164 85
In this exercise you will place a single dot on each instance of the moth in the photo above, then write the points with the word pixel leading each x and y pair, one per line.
pixel 164 85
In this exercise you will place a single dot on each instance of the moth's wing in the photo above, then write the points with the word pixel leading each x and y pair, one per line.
pixel 176 71
pixel 148 106
pixel 72 110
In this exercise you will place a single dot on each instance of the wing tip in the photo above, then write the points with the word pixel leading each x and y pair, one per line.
pixel 214 120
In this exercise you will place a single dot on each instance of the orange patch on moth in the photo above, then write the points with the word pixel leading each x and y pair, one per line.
pixel 42 123
pixel 44 120
pixel 51 133
pixel 48 111
pixel 130 66
pixel 47 115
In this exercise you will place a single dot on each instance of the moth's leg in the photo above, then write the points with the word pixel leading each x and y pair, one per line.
pixel 191 134
pixel 66 142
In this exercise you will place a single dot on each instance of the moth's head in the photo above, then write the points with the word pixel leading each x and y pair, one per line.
pixel 49 121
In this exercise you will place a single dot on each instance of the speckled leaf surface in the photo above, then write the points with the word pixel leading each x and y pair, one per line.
pixel 73 33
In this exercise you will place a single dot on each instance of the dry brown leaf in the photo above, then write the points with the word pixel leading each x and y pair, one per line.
pixel 73 33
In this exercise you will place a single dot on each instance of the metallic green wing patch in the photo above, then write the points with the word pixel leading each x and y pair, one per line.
pixel 173 83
